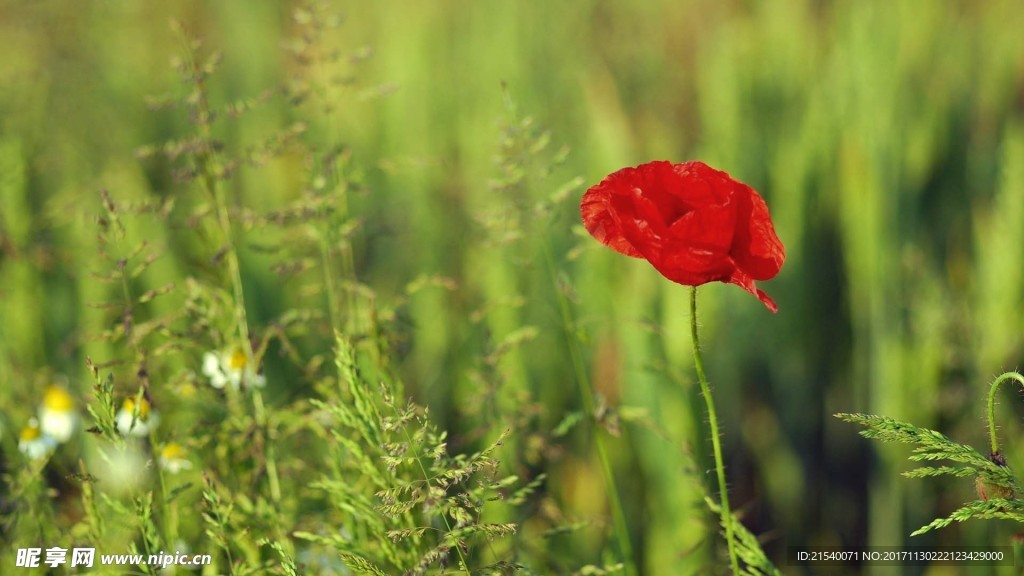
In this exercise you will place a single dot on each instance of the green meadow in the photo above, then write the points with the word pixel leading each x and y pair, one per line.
pixel 331 256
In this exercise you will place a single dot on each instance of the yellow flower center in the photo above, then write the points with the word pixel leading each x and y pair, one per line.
pixel 172 451
pixel 30 433
pixel 58 399
pixel 237 361
pixel 129 406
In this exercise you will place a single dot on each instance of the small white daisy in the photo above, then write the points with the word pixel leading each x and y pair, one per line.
pixel 35 443
pixel 173 458
pixel 57 414
pixel 231 366
pixel 136 422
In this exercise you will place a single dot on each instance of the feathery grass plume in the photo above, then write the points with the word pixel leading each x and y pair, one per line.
pixel 999 508
pixel 525 224
pixel 126 261
pixel 518 226
pixel 526 165
pixel 318 227
pixel 217 519
pixel 144 338
pixel 143 335
pixel 238 436
pixel 991 473
pixel 399 501
pixel 932 446
pixel 288 565
pixel 326 74
pixel 103 408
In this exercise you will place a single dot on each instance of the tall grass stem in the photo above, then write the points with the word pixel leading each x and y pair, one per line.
pixel 621 528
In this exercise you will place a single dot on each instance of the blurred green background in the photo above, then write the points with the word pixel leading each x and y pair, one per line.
pixel 886 137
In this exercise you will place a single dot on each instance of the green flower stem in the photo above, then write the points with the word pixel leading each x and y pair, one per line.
pixel 994 442
pixel 716 443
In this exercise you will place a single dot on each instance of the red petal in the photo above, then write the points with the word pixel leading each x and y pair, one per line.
pixel 756 248
pixel 747 283
pixel 599 221
pixel 700 184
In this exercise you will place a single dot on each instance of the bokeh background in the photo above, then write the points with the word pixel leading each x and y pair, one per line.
pixel 886 137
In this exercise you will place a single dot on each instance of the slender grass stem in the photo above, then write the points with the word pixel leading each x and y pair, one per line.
pixel 235 271
pixel 621 528
pixel 327 236
pixel 993 441
pixel 716 443
pixel 209 167
pixel 167 514
pixel 260 412
pixel 328 271
pixel 168 517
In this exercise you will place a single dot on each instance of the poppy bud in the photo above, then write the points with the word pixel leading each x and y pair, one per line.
pixel 987 490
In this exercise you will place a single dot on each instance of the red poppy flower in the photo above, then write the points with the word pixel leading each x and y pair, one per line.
pixel 693 223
